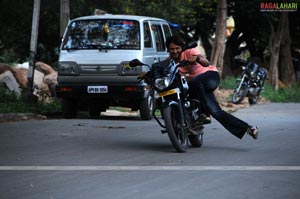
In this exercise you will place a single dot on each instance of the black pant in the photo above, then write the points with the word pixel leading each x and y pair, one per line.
pixel 202 88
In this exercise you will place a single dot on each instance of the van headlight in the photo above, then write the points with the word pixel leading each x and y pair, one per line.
pixel 67 68
pixel 162 83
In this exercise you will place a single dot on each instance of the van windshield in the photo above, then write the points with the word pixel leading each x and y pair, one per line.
pixel 102 34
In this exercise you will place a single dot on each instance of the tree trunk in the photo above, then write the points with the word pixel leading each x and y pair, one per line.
pixel 286 67
pixel 274 44
pixel 64 15
pixel 219 46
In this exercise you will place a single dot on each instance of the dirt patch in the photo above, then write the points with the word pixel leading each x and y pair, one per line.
pixel 224 98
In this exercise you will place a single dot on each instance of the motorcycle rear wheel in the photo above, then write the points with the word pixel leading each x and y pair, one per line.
pixel 239 95
pixel 176 132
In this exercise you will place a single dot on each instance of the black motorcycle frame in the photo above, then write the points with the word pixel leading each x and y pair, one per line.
pixel 251 83
pixel 179 113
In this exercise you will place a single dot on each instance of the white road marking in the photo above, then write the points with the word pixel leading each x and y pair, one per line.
pixel 149 168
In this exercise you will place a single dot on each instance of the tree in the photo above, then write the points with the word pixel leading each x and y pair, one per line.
pixel 219 46
pixel 198 17
pixel 64 15
pixel 274 47
pixel 259 38
pixel 286 67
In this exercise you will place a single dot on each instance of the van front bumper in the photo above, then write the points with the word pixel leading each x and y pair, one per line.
pixel 114 94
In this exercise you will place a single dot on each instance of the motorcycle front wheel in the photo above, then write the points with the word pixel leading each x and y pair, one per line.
pixel 196 140
pixel 239 94
pixel 252 100
pixel 175 130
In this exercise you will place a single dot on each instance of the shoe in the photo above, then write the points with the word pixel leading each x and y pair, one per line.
pixel 253 132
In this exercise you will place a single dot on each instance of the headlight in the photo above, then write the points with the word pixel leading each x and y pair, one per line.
pixel 67 68
pixel 252 74
pixel 162 83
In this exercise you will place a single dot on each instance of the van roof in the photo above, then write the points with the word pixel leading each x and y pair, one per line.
pixel 111 16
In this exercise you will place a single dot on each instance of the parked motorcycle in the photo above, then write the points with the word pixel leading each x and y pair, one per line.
pixel 180 115
pixel 251 84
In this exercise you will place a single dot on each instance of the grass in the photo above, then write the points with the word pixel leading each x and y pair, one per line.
pixel 289 94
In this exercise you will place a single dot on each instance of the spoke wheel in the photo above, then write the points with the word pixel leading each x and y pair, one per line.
pixel 176 133
pixel 146 107
pixel 239 95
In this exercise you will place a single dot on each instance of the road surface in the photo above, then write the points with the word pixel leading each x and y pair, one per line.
pixel 125 157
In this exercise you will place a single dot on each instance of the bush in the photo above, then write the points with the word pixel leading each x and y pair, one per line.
pixel 11 103
pixel 289 94
pixel 9 56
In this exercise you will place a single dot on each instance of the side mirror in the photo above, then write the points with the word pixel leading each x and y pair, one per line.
pixel 135 63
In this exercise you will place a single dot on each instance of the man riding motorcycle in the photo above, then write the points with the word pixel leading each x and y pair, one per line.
pixel 203 79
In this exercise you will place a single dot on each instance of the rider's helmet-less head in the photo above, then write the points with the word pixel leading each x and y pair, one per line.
pixel 176 39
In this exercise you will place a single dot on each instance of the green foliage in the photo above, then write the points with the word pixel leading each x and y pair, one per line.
pixel 229 82
pixel 192 13
pixel 289 94
pixel 49 108
pixel 11 103
pixel 198 16
pixel 6 95
pixel 9 56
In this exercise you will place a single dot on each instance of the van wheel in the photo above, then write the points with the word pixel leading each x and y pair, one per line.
pixel 146 107
pixel 69 108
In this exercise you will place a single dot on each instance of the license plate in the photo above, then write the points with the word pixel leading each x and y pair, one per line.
pixel 97 89
pixel 168 92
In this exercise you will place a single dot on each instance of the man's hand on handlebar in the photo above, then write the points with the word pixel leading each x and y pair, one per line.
pixel 201 60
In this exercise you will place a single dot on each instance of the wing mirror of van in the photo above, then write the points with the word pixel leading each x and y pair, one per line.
pixel 135 63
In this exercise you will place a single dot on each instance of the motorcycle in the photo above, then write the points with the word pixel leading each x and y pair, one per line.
pixel 251 84
pixel 180 115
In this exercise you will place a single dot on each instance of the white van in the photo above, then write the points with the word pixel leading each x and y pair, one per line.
pixel 93 63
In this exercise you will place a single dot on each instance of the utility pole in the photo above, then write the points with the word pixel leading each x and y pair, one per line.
pixel 64 15
pixel 33 42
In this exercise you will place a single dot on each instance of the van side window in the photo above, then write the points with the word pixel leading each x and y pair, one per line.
pixel 159 38
pixel 147 36
pixel 167 30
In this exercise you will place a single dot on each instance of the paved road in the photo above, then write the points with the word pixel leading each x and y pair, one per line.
pixel 117 158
